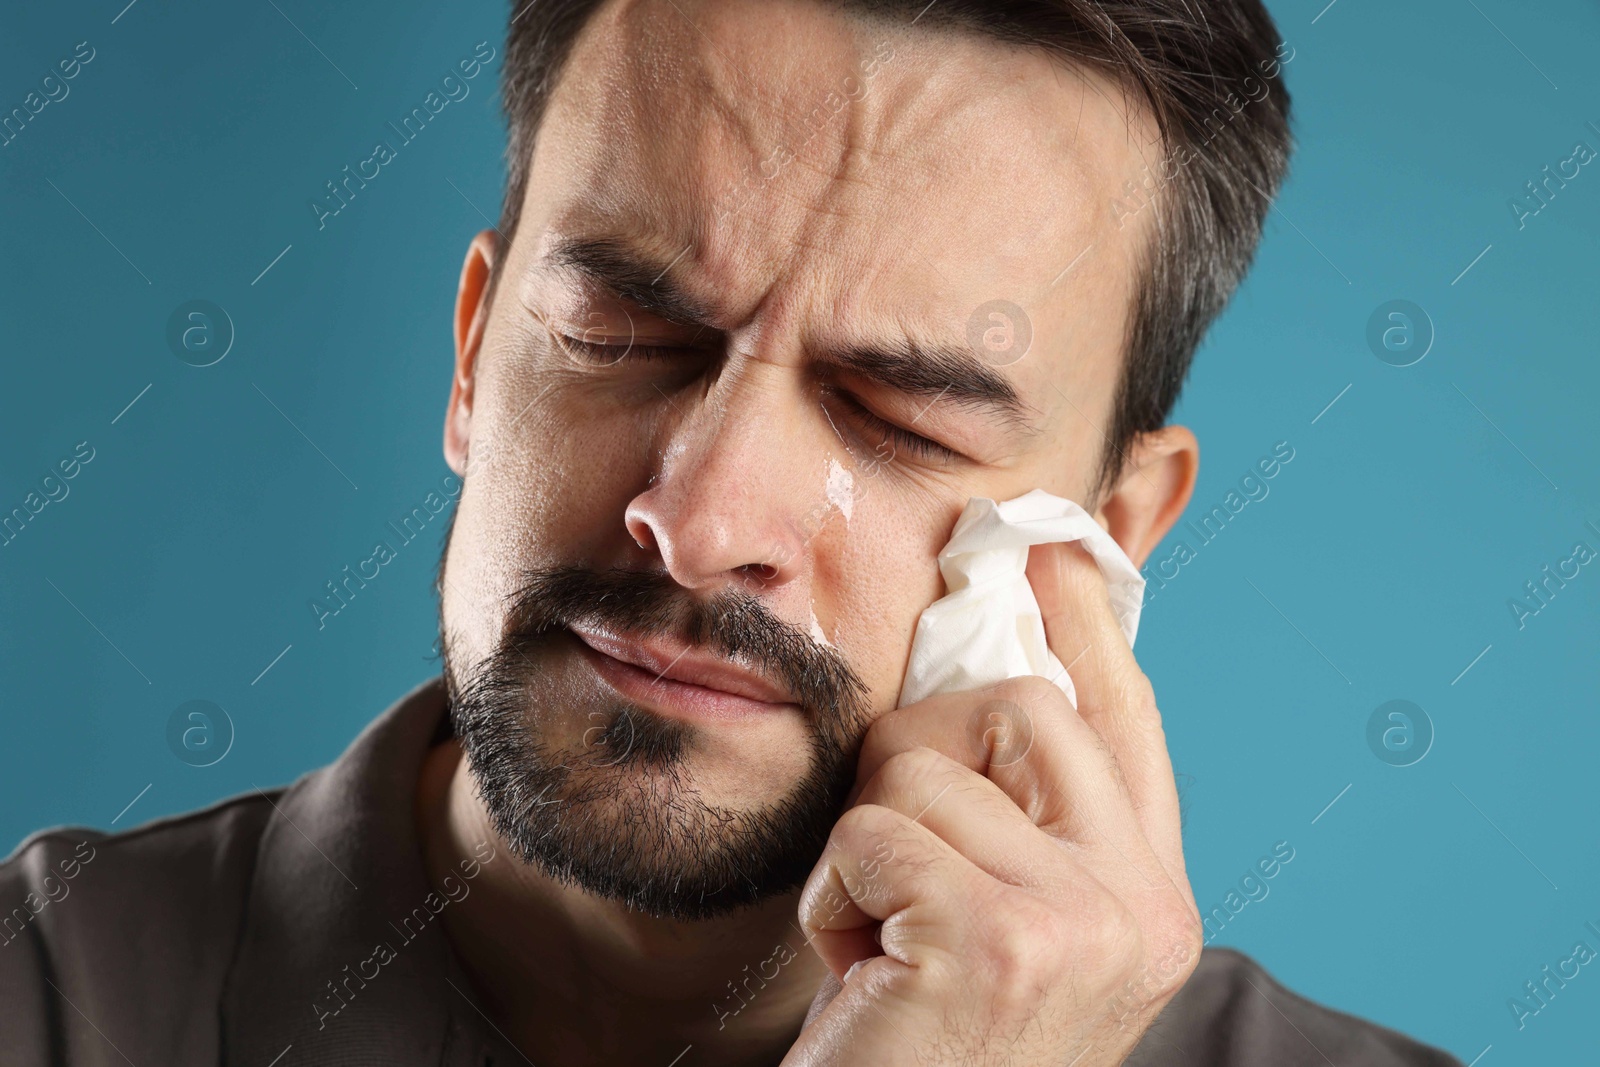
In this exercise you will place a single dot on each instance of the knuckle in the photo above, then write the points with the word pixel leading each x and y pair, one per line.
pixel 881 734
pixel 871 830
pixel 1023 940
pixel 1149 981
pixel 1140 694
pixel 905 771
pixel 1182 940
pixel 1029 691
pixel 1002 733
pixel 863 823
pixel 864 841
pixel 1109 942
pixel 1030 950
pixel 1185 958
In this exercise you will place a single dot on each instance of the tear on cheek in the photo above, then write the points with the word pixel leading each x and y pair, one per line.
pixel 841 487
pixel 817 633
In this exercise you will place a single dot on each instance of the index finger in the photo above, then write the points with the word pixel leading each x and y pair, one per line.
pixel 1114 696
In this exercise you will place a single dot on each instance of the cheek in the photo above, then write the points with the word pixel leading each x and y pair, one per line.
pixel 872 578
pixel 551 468
pixel 565 447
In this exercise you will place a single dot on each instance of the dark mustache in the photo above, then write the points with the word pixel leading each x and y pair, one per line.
pixel 730 621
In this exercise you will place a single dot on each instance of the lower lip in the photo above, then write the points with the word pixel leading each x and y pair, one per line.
pixel 681 700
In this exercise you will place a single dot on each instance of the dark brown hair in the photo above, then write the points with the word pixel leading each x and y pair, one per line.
pixel 1192 63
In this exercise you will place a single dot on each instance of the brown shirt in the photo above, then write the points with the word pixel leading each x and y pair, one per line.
pixel 297 927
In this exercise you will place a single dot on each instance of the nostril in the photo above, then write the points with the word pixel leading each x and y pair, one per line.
pixel 765 572
pixel 639 529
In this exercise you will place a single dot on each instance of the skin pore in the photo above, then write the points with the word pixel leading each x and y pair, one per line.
pixel 681 157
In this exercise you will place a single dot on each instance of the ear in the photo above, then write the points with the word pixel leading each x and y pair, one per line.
pixel 1157 480
pixel 472 316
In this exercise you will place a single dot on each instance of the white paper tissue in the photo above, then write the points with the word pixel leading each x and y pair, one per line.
pixel 987 628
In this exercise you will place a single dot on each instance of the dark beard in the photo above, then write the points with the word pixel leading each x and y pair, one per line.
pixel 616 818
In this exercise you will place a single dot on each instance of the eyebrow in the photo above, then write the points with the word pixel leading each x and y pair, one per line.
pixel 935 371
pixel 630 274
pixel 938 372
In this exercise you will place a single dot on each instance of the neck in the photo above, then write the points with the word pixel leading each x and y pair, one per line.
pixel 573 979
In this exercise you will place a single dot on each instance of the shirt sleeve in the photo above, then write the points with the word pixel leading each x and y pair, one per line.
pixel 1232 1013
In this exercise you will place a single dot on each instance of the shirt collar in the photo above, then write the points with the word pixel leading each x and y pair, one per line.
pixel 342 957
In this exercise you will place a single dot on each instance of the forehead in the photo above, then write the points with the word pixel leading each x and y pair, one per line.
pixel 821 172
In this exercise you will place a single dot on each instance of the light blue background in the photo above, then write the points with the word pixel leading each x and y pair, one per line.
pixel 1380 565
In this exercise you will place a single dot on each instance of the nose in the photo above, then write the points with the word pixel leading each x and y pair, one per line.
pixel 736 495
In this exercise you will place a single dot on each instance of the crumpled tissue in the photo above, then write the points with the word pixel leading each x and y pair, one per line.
pixel 987 626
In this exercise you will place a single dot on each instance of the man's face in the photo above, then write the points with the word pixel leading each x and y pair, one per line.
pixel 788 229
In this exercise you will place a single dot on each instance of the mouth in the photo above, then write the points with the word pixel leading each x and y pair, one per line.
pixel 677 679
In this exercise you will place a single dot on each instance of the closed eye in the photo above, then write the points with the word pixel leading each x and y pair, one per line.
pixel 602 355
pixel 902 439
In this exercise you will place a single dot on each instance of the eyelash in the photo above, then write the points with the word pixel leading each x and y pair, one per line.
pixel 607 355
pixel 913 443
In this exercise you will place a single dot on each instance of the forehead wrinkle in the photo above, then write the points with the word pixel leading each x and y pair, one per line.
pixel 653 105
pixel 921 130
pixel 738 102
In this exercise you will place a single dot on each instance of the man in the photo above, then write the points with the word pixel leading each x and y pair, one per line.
pixel 779 286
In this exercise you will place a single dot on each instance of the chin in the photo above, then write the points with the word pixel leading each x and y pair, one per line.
pixel 666 815
pixel 682 756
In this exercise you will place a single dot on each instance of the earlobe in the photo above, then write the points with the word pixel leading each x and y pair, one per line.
pixel 471 318
pixel 1154 487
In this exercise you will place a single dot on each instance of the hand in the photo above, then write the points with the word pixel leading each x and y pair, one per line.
pixel 1009 886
